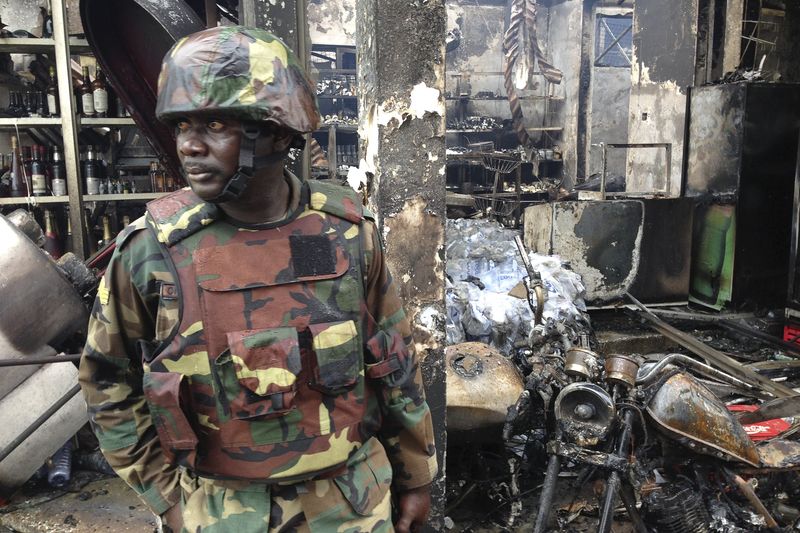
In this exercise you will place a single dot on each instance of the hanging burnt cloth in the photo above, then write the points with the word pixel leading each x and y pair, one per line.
pixel 521 47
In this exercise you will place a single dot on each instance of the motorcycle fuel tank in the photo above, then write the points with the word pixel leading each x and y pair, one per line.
pixel 481 386
pixel 690 413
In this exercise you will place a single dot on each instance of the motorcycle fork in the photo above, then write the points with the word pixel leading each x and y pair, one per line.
pixel 614 479
pixel 548 489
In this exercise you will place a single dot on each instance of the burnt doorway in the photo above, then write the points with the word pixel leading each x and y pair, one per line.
pixel 610 86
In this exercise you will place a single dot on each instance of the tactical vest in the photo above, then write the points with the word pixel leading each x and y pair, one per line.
pixel 263 378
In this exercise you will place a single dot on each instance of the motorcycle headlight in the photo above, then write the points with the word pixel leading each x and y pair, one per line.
pixel 585 412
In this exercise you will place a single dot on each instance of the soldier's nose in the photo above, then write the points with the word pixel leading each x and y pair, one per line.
pixel 191 146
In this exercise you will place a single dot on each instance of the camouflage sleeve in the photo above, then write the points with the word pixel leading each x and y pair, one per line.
pixel 111 374
pixel 407 431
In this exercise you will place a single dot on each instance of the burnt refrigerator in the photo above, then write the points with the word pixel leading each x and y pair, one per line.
pixel 740 170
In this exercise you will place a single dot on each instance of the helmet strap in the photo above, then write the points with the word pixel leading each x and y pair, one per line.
pixel 248 162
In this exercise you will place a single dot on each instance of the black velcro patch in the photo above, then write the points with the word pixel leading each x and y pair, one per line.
pixel 312 255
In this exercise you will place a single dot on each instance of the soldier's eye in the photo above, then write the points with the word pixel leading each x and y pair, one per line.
pixel 182 126
pixel 215 125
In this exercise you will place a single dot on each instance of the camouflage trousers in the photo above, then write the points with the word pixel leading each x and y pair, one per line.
pixel 357 500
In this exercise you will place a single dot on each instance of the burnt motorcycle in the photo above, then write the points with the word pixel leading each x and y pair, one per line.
pixel 650 427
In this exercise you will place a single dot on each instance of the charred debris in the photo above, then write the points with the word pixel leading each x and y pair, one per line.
pixel 564 416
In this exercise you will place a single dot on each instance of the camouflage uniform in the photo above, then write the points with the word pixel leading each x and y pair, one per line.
pixel 262 376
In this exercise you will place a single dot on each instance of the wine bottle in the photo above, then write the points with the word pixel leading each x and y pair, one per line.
pixel 38 178
pixel 107 238
pixel 90 172
pixel 59 186
pixel 52 245
pixel 52 95
pixel 100 93
pixel 68 246
pixel 87 99
pixel 18 182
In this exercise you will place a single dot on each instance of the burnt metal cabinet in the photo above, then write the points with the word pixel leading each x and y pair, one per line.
pixel 740 169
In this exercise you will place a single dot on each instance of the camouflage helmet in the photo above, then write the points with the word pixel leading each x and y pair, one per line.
pixel 244 72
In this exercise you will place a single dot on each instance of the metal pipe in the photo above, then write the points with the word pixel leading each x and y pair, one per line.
pixel 614 479
pixel 752 497
pixel 44 417
pixel 73 358
pixel 701 368
pixel 548 490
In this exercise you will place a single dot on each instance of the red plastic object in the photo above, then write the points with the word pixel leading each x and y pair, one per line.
pixel 765 429
pixel 791 333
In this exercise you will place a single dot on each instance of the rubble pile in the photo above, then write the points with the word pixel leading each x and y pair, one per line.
pixel 483 267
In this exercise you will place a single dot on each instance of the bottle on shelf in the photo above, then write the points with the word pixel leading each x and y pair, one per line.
pixel 52 95
pixel 169 180
pixel 38 177
pixel 87 99
pixel 157 183
pixel 100 93
pixel 68 246
pixel 90 172
pixel 52 243
pixel 59 173
pixel 107 238
pixel 13 109
pixel 41 104
pixel 91 241
pixel 18 181
pixel 28 106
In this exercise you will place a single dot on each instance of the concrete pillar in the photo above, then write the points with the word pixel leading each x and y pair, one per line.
pixel 400 46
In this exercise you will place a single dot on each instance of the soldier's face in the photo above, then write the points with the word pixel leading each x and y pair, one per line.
pixel 208 148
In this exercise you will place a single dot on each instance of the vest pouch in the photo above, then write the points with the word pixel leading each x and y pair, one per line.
pixel 337 354
pixel 390 359
pixel 257 374
pixel 167 393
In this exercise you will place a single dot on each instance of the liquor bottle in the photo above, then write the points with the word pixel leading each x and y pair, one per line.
pixel 91 240
pixel 18 181
pixel 38 178
pixel 107 238
pixel 169 180
pixel 100 93
pixel 27 104
pixel 13 107
pixel 52 95
pixel 68 246
pixel 48 169
pixel 90 172
pixel 152 174
pixel 52 244
pixel 87 99
pixel 27 164
pixel 126 221
pixel 59 172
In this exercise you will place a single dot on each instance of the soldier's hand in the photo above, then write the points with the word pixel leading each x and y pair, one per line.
pixel 172 520
pixel 414 506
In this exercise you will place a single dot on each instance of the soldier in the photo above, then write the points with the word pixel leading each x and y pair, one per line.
pixel 248 365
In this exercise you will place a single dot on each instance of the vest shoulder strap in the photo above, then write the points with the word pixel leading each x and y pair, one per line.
pixel 178 215
pixel 338 200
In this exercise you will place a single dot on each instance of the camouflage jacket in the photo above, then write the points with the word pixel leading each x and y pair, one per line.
pixel 136 311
